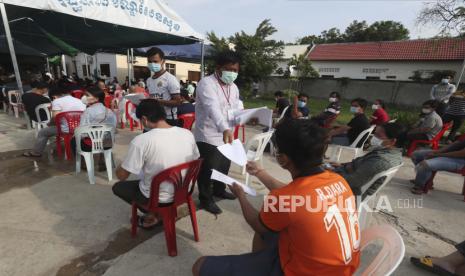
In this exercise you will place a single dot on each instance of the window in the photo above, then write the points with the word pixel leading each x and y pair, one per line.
pixel 105 70
pixel 329 70
pixel 170 67
pixel 193 75
pixel 391 77
pixel 85 72
pixel 372 78
pixel 374 70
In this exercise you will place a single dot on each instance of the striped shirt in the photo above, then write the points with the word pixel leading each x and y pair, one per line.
pixel 456 106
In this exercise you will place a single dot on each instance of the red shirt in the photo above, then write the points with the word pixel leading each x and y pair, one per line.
pixel 381 117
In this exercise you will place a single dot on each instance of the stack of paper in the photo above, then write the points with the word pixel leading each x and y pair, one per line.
pixel 264 115
pixel 234 152
pixel 135 98
pixel 216 175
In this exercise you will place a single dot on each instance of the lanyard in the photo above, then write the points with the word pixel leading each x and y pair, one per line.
pixel 227 94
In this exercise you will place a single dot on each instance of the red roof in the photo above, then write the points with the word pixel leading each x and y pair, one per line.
pixel 422 49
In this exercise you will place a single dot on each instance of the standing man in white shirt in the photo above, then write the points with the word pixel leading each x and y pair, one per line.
pixel 441 93
pixel 162 85
pixel 217 100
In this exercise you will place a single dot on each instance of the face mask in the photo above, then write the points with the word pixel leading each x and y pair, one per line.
pixel 426 111
pixel 84 99
pixel 302 104
pixel 154 67
pixel 353 109
pixel 374 107
pixel 228 77
pixel 332 100
pixel 445 81
pixel 376 142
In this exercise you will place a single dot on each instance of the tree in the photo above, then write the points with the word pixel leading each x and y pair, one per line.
pixel 448 15
pixel 303 67
pixel 332 35
pixel 356 31
pixel 387 31
pixel 259 54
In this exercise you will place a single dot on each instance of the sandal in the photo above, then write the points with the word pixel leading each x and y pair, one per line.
pixel 426 263
pixel 417 191
pixel 31 154
pixel 140 223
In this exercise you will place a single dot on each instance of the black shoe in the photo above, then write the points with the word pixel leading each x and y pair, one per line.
pixel 211 207
pixel 226 195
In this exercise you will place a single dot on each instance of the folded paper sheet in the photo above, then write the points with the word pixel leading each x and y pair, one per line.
pixel 234 152
pixel 216 175
pixel 135 98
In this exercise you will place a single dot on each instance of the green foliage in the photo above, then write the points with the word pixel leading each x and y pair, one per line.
pixel 258 52
pixel 359 31
pixel 303 66
pixel 433 77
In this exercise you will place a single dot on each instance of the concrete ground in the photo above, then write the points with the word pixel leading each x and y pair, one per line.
pixel 53 222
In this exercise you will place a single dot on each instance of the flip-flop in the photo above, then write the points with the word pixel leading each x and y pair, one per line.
pixel 417 191
pixel 140 223
pixel 426 263
pixel 30 154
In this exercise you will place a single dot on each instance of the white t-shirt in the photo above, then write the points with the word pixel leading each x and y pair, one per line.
pixel 159 149
pixel 65 104
pixel 164 87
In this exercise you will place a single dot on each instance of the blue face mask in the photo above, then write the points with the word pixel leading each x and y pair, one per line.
pixel 154 67
pixel 353 109
pixel 228 77
pixel 301 104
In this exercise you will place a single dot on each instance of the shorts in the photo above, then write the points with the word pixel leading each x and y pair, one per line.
pixel 264 262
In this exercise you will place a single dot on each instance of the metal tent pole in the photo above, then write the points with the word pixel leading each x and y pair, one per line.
pixel 202 61
pixel 129 69
pixel 63 64
pixel 87 66
pixel 132 63
pixel 11 46
pixel 461 74
pixel 48 65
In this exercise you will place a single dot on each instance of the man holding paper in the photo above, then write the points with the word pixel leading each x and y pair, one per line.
pixel 216 102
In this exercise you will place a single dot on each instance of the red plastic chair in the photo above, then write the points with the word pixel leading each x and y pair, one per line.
pixel 236 132
pixel 107 101
pixel 183 189
pixel 73 119
pixel 187 120
pixel 434 142
pixel 132 123
pixel 77 94
pixel 429 185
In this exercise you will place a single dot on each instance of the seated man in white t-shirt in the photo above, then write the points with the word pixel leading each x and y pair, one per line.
pixel 160 148
pixel 63 102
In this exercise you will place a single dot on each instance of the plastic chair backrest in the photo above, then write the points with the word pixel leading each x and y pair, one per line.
pixel 184 183
pixel 14 97
pixel 187 120
pixel 72 119
pixel 362 138
pixel 282 114
pixel 43 108
pixel 77 94
pixel 96 133
pixel 107 101
pixel 445 128
pixel 261 140
pixel 391 253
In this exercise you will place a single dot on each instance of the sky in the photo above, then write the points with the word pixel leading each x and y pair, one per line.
pixel 296 18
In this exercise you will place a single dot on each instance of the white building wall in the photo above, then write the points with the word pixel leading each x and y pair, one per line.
pixel 383 69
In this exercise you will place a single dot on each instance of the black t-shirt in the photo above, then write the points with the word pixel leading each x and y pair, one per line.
pixel 31 101
pixel 357 125
pixel 281 104
pixel 185 108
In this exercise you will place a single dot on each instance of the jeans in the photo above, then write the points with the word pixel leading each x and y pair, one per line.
pixel 212 159
pixel 425 168
pixel 42 139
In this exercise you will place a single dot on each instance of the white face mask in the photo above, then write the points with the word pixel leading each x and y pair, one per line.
pixel 376 142
pixel 84 99
pixel 375 107
pixel 332 100
pixel 445 81
pixel 426 111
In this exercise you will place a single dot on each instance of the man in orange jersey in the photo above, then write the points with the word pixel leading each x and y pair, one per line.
pixel 307 227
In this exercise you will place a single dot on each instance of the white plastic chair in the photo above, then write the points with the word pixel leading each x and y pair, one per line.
pixel 259 143
pixel 40 124
pixel 5 97
pixel 14 104
pixel 390 255
pixel 97 134
pixel 363 214
pixel 361 139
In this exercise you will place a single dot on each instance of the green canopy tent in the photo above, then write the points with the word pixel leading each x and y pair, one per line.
pixel 55 26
